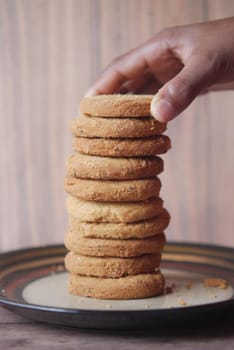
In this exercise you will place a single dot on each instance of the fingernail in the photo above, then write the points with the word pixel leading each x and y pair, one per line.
pixel 162 110
pixel 91 92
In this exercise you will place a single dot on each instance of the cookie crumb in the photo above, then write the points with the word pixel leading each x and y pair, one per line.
pixel 215 282
pixel 108 306
pixel 181 302
pixel 210 294
pixel 169 289
pixel 189 285
pixel 60 268
pixel 146 306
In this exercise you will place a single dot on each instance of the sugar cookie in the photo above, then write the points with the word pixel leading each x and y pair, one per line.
pixel 90 211
pixel 108 191
pixel 129 287
pixel 114 247
pixel 111 267
pixel 116 105
pixel 109 168
pixel 134 147
pixel 116 127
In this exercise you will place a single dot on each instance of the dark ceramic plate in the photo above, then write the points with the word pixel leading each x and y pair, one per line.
pixel 33 284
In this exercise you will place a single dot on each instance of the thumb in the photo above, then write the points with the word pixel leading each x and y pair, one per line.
pixel 179 92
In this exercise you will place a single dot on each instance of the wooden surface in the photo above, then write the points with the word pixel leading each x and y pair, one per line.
pixel 19 333
pixel 50 52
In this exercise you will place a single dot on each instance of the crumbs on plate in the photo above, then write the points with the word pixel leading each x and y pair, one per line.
pixel 169 289
pixel 189 285
pixel 215 282
pixel 181 302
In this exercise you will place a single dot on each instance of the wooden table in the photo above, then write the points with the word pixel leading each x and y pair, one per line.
pixel 19 333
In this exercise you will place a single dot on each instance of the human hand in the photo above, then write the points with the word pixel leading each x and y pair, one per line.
pixel 177 64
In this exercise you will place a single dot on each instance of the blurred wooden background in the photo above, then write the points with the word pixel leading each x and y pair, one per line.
pixel 50 52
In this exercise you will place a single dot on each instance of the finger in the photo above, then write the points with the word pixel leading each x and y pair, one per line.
pixel 125 68
pixel 137 84
pixel 132 65
pixel 150 89
pixel 180 91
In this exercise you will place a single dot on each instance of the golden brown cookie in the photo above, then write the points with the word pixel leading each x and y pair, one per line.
pixel 146 146
pixel 141 229
pixel 116 105
pixel 114 247
pixel 109 168
pixel 111 267
pixel 129 287
pixel 90 211
pixel 116 127
pixel 108 191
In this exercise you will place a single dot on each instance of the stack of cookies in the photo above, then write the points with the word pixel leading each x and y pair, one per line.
pixel 116 217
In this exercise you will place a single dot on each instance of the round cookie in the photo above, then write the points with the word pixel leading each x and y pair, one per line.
pixel 116 105
pixel 141 229
pixel 129 287
pixel 90 211
pixel 114 247
pixel 146 146
pixel 116 191
pixel 111 267
pixel 107 168
pixel 116 127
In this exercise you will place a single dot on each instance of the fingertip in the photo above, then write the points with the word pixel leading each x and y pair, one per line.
pixel 91 92
pixel 161 109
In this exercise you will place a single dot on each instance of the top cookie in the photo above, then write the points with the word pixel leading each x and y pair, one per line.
pixel 116 105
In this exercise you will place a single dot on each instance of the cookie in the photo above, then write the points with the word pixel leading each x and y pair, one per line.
pixel 141 229
pixel 90 211
pixel 116 105
pixel 108 191
pixel 116 127
pixel 107 168
pixel 146 146
pixel 129 287
pixel 111 267
pixel 114 247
